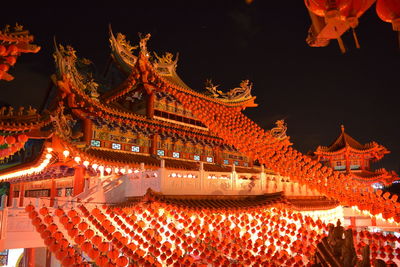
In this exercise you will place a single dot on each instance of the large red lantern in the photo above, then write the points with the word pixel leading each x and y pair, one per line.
pixel 389 11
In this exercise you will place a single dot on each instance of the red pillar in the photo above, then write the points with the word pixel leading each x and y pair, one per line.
pixel 29 257
pixel 79 180
pixel 150 105
pixel 21 194
pixel 154 143
pixel 48 258
pixel 353 222
pixel 10 195
pixel 53 192
pixel 87 130
pixel 373 221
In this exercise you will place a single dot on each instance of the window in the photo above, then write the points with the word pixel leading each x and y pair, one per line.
pixel 116 146
pixel 69 191
pixel 236 163
pixel 135 149
pixel 95 143
pixel 246 164
pixel 16 194
pixel 160 152
pixel 38 193
pixel 338 166
pixel 196 157
pixel 226 161
pixel 59 192
pixel 175 154
pixel 209 159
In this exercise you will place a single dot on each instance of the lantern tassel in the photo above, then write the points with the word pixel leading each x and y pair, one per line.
pixel 341 45
pixel 355 38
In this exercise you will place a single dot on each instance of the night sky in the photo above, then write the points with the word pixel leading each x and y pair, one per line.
pixel 314 89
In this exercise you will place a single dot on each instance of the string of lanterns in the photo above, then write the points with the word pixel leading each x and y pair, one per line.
pixel 11 144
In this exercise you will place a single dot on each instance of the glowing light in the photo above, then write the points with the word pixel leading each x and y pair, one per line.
pixel 101 168
pixel 116 170
pixel 123 171
pixel 86 163
pixel 136 171
pixel 94 166
pixel 49 149
pixel 108 169
pixel 77 159
pixel 29 171
pixel 130 171
pixel 66 153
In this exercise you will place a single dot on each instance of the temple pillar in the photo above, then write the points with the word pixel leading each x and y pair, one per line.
pixel 48 258
pixel 21 194
pixel 373 221
pixel 150 105
pixel 29 255
pixel 79 180
pixel 154 142
pixel 53 192
pixel 353 222
pixel 10 195
pixel 87 130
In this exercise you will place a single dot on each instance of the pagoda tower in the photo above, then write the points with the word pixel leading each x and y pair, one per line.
pixel 349 156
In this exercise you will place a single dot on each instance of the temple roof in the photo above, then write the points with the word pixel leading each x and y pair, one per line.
pixel 129 158
pixel 345 141
pixel 208 201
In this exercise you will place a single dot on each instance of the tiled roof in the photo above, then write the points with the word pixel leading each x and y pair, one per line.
pixel 344 140
pixel 133 158
pixel 208 201
pixel 312 203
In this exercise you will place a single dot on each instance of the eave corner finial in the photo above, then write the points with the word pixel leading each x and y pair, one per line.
pixel 342 128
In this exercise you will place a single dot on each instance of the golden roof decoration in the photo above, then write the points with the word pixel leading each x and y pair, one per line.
pixel 241 93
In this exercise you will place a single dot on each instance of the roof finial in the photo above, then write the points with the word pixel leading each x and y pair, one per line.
pixel 342 128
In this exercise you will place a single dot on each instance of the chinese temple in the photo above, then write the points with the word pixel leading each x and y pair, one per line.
pixel 347 155
pixel 142 170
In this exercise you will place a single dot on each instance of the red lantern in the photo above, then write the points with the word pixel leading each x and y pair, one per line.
pixel 389 11
pixel 10 140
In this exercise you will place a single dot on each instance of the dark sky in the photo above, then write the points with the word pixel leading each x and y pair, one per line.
pixel 314 89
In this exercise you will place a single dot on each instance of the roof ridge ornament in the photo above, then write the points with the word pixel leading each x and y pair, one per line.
pixel 241 93
pixel 143 43
pixel 279 132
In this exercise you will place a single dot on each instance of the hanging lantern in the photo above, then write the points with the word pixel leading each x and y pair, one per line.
pixel 389 11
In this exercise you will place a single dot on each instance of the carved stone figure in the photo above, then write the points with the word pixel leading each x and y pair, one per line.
pixel 279 131
pixel 143 41
pixel 10 111
pixel 242 92
pixel 20 111
pixel 31 111
pixel 3 111
pixel 121 39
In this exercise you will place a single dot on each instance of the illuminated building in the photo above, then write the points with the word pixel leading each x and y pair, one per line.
pixel 150 171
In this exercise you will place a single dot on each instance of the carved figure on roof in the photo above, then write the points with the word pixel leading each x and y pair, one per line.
pixel 31 111
pixel 6 29
pixel 167 58
pixel 3 110
pixel 63 123
pixel 212 89
pixel 279 131
pixel 18 27
pixel 242 92
pixel 20 111
pixel 143 41
pixel 91 87
pixel 121 39
pixel 10 111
